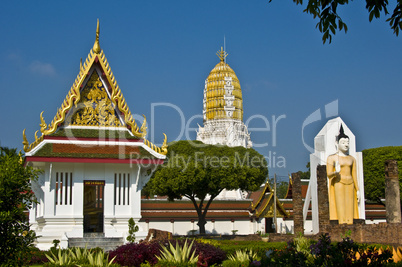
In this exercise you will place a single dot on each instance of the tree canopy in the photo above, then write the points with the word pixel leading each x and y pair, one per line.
pixel 200 172
pixel 15 199
pixel 306 174
pixel 373 168
pixel 281 187
pixel 329 20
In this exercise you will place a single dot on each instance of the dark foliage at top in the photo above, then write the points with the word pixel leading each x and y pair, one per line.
pixel 330 20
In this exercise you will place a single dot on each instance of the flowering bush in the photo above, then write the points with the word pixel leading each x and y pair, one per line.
pixel 212 255
pixel 35 256
pixel 133 254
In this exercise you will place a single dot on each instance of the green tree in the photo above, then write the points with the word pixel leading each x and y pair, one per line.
pixel 329 20
pixel 15 199
pixel 306 174
pixel 200 172
pixel 374 172
pixel 281 187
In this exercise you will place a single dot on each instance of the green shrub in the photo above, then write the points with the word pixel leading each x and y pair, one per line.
pixel 16 196
pixel 259 247
pixel 79 257
pixel 178 254
pixel 132 229
pixel 61 258
pixel 242 258
pixel 244 255
pixel 208 253
pixel 208 241
pixel 236 263
pixel 176 264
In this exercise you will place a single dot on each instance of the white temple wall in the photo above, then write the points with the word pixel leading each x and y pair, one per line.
pixel 243 227
pixel 63 217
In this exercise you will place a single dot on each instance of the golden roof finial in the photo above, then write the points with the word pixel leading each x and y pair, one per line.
pixel 25 141
pixel 96 47
pixel 222 54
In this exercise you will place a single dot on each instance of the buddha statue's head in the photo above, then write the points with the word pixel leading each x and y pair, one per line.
pixel 342 141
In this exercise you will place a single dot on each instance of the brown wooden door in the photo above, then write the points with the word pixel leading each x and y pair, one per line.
pixel 93 206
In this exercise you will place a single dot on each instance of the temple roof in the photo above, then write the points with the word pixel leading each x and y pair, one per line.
pixel 93 108
pixel 263 203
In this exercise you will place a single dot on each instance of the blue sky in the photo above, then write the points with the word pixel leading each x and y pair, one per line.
pixel 162 51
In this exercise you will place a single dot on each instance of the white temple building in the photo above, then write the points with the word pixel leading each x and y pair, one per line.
pixel 94 160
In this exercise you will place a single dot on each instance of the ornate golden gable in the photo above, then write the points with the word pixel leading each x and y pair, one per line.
pixel 93 111
pixel 95 107
pixel 264 207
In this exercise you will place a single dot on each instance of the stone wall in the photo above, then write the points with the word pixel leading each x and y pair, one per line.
pixel 382 233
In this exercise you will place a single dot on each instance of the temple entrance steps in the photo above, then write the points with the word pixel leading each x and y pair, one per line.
pixel 93 240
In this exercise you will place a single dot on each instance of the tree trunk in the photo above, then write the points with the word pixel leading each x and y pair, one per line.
pixel 200 212
pixel 201 224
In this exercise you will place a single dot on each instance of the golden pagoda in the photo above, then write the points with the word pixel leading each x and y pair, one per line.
pixel 223 108
pixel 222 95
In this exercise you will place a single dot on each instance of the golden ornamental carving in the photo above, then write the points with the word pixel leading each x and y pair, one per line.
pixel 95 107
pixel 28 147
pixel 164 145
pixel 222 54
pixel 161 150
pixel 25 141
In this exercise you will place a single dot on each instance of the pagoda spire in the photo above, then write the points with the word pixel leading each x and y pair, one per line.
pixel 222 54
pixel 96 49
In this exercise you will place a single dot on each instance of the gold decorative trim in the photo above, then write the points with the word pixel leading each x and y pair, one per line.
pixel 161 150
pixel 261 196
pixel 285 213
pixel 28 147
pixel 271 197
pixel 265 206
pixel 289 185
pixel 222 54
